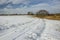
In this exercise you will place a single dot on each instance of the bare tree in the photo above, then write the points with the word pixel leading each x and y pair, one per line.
pixel 42 13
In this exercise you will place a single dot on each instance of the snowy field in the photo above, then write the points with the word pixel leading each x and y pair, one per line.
pixel 28 28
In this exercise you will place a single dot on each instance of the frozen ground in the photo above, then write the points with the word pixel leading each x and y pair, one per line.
pixel 28 28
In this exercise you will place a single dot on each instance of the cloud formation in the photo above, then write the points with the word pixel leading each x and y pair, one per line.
pixel 13 1
pixel 23 6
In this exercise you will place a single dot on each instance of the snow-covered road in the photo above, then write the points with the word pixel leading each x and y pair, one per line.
pixel 28 28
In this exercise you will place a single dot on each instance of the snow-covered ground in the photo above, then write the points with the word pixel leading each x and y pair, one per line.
pixel 52 30
pixel 28 28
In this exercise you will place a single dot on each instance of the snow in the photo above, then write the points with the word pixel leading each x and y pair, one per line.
pixel 52 30
pixel 28 28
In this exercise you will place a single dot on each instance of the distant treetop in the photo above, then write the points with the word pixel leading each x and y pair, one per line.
pixel 43 12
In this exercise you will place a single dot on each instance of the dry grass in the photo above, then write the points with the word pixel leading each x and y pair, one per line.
pixel 53 17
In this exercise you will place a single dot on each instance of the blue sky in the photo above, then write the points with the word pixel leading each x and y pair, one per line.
pixel 23 6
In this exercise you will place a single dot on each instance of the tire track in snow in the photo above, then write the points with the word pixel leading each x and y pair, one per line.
pixel 28 29
pixel 20 30
pixel 18 25
pixel 40 32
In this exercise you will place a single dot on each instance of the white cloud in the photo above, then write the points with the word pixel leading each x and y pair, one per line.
pixel 15 1
pixel 56 2
pixel 33 8
pixel 3 1
pixel 17 10
pixel 19 1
